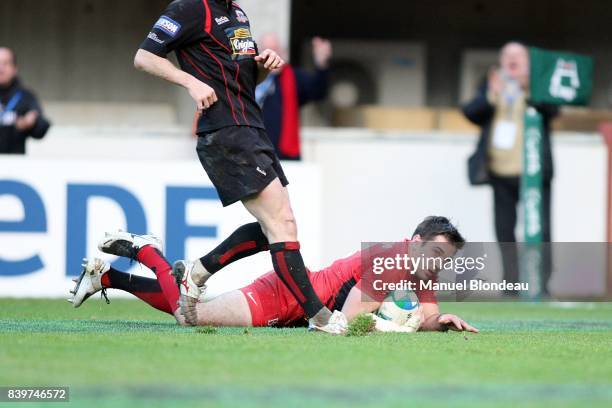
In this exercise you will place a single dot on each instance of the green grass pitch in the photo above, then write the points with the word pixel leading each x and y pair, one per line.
pixel 128 355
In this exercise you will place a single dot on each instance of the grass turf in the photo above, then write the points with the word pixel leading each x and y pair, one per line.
pixel 129 355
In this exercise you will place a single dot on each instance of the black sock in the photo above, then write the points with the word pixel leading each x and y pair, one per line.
pixel 130 283
pixel 146 289
pixel 289 266
pixel 245 241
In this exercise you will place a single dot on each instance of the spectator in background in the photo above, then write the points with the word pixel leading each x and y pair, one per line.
pixel 20 114
pixel 283 92
pixel 499 109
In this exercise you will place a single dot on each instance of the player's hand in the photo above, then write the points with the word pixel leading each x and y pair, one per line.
pixel 203 95
pixel 270 60
pixel 26 122
pixel 455 323
pixel 387 326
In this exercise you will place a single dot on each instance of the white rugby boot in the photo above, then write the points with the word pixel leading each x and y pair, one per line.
pixel 127 245
pixel 89 282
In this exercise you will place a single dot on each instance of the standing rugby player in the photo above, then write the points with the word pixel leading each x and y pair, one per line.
pixel 219 67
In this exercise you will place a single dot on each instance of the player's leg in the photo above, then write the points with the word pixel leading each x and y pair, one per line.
pixel 229 309
pixel 272 208
pixel 146 249
pixel 242 165
pixel 97 276
pixel 263 303
pixel 247 240
pixel 228 158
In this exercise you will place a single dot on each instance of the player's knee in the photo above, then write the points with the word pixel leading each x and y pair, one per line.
pixel 290 228
pixel 286 221
pixel 282 229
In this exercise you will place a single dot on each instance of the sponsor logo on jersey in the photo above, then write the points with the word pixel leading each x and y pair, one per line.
pixel 154 37
pixel 240 16
pixel 168 25
pixel 221 20
pixel 242 42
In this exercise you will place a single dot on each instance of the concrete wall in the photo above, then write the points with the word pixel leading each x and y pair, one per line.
pixel 82 50
pixel 378 186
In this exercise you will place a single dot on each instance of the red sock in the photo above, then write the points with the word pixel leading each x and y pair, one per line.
pixel 146 289
pixel 157 300
pixel 154 260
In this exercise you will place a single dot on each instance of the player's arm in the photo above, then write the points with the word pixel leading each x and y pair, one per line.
pixel 202 94
pixel 358 303
pixel 180 24
pixel 435 321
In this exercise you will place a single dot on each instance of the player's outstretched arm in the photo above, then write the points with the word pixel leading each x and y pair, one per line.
pixel 358 303
pixel 203 95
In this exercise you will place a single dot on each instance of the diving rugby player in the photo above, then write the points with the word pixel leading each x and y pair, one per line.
pixel 267 301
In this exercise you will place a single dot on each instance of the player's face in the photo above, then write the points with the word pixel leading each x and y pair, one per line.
pixel 433 253
pixel 8 70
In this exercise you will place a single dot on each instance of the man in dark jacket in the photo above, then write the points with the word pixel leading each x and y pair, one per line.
pixel 285 91
pixel 20 113
pixel 499 109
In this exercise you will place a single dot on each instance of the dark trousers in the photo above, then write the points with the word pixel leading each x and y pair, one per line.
pixel 506 194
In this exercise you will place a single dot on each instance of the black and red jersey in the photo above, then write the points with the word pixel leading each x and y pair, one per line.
pixel 213 42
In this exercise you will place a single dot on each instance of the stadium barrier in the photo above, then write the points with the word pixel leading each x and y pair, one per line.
pixel 55 211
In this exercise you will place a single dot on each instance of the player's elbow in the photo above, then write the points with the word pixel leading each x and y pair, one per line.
pixel 140 60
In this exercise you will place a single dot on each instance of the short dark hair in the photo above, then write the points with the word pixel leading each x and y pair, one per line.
pixel 13 53
pixel 433 226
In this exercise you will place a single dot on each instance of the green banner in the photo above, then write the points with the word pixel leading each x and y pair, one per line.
pixel 531 199
pixel 560 78
pixel 556 78
pixel 531 182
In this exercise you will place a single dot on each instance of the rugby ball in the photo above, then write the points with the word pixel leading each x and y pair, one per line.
pixel 399 307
